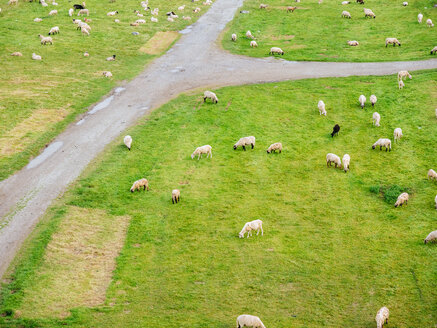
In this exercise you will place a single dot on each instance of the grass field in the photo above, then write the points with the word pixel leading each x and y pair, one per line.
pixel 317 32
pixel 39 98
pixel 334 248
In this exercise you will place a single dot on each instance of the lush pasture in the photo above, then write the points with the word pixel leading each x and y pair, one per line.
pixel 317 32
pixel 39 98
pixel 334 248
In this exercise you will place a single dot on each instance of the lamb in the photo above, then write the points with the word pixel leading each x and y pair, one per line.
pixel 181 8
pixel 248 227
pixel 345 2
pixel 346 14
pixel 434 50
pixel 154 20
pixel 392 41
pixel 432 235
pixel 234 37
pixel 335 130
pixel 321 106
pixel 116 20
pixel 86 54
pixel 397 134
pixel 249 35
pixel 17 53
pixel 404 3
pixel 383 142
pixel 245 141
pixel 202 150
pixel 369 13
pixel 112 13
pixel 362 100
pixel 432 175
pixel 276 50
pixel 253 44
pixel 401 84
pixel 247 320
pixel 210 95
pixel 54 30
pixel 128 141
pixel 275 147
pixel 429 23
pixel 175 196
pixel 402 199
pixel 45 39
pixel 140 183
pixel 140 21
pixel 37 20
pixel 263 6
pixel 53 12
pixel 403 74
pixel 82 6
pixel 107 74
pixel 332 158
pixel 36 57
pixel 197 10
pixel 84 30
pixel 112 58
pixel 353 43
pixel 170 19
pixel 292 9
pixel 54 3
pixel 382 317
pixel 376 118
pixel 419 18
pixel 70 12
pixel 83 12
pixel 373 100
pixel 155 12
pixel 346 162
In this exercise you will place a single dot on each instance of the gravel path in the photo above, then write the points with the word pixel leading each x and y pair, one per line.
pixel 194 61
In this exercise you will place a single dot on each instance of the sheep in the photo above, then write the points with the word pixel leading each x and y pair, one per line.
pixel 332 158
pixel 373 100
pixel 401 84
pixel 54 3
pixel 12 2
pixel 234 37
pixel 155 12
pixel 321 106
pixel 275 147
pixel 37 20
pixel 197 10
pixel 432 175
pixel 207 3
pixel 210 95
pixel 53 12
pixel 154 20
pixel 292 9
pixel 128 141
pixel 112 13
pixel 112 58
pixel 83 12
pixel 107 74
pixel 245 141
pixel 82 6
pixel 397 134
pixel 346 162
pixel 403 74
pixel 402 199
pixel 253 44
pixel 44 4
pixel 249 35
pixel 175 196
pixel 140 183
pixel 434 50
pixel 345 2
pixel 346 14
pixel 263 6
pixel 134 24
pixel 247 320
pixel 45 39
pixel 381 317
pixel 170 19
pixel 276 50
pixel 376 118
pixel 383 142
pixel 362 100
pixel 419 18
pixel 140 15
pixel 202 150
pixel 76 21
pixel 36 57
pixel 432 236
pixel 404 3
pixel 116 20
pixel 429 23
pixel 361 2
pixel 54 30
pixel 17 53
pixel 353 43
pixel 368 13
pixel 392 41
pixel 248 227
pixel 140 21
pixel 181 8
pixel 84 30
pixel 335 130
pixel 86 54
pixel 186 17
pixel 70 12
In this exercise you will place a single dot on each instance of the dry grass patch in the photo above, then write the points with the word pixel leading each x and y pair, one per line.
pixel 282 37
pixel 159 42
pixel 78 264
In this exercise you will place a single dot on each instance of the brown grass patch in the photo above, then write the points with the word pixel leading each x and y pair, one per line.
pixel 78 264
pixel 282 37
pixel 159 42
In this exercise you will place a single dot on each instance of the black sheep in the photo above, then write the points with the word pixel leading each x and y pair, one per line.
pixel 335 130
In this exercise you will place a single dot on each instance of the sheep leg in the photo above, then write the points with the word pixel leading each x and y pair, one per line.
pixel 204 99
pixel 244 148
pixel 172 200
pixel 253 146
pixel 380 147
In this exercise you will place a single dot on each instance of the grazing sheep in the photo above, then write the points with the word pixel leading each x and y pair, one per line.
pixel 401 84
pixel 292 9
pixel 140 183
pixel 12 2
pixel 247 320
pixel 383 142
pixel 373 100
pixel 346 14
pixel 245 141
pixel 335 130
pixel 112 13
pixel 70 12
pixel 404 3
pixel 197 10
pixel 234 37
pixel 392 41
pixel 155 12
pixel 154 20
pixel 434 50
pixel 332 158
pixel 397 134
pixel 140 21
pixel 248 227
pixel 175 196
pixel 368 13
pixel 202 150
pixel 128 141
pixel 53 12
pixel 54 3
pixel 353 43
pixel 403 74
pixel 37 20
pixel 263 6
pixel 275 147
pixel 116 20
pixel 419 18
pixel 402 199
pixel 321 106
pixel 17 53
pixel 433 234
pixel 84 30
pixel 36 57
pixel 432 175
pixel 345 2
pixel 276 50
pixel 54 30
pixel 181 8
pixel 107 74
pixel 382 317
pixel 82 6
pixel 210 95
pixel 83 12
pixel 249 35
pixel 45 39
pixel 44 4
pixel 112 58
pixel 170 19
pixel 362 100
pixel 429 23
pixel 346 162
pixel 253 44
pixel 376 118
pixel 361 2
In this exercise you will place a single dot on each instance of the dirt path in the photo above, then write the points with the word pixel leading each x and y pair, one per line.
pixel 194 61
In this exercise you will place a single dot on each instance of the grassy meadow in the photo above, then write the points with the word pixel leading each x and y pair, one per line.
pixel 318 33
pixel 334 248
pixel 39 98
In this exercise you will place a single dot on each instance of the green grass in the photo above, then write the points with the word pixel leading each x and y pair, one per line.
pixel 65 83
pixel 333 251
pixel 317 32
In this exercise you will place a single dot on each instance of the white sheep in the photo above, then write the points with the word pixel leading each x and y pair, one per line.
pixel 253 44
pixel 404 3
pixel 432 236
pixel 429 23
pixel 353 43
pixel 53 12
pixel 112 58
pixel 434 50
pixel 83 12
pixel 175 196
pixel 112 13
pixel 419 18
pixel 12 2
pixel 54 3
pixel 392 41
pixel 116 20
pixel 401 84
pixel 321 106
pixel 234 37
pixel 107 74
pixel 210 95
pixel 36 57
pixel 402 199
pixel 249 35
pixel 207 149
pixel 70 12
pixel 346 14
pixel 275 147
pixel 276 50
pixel 403 74
pixel 84 30
pixel 86 54
pixel 245 141
pixel 383 142
pixel 376 118
pixel 186 17
pixel 345 2
pixel 197 10
pixel 249 226
pixel 247 320
pixel 373 100
pixel 154 20
pixel 140 183
pixel 155 12
pixel 362 100
pixel 45 39
pixel 368 13
pixel 54 30
pixel 263 6
pixel 170 19
pixel 37 20
pixel 44 4
pixel 397 134
pixel 128 141
pixel 140 21
pixel 181 8
pixel 432 175
pixel 17 53
pixel 332 158
pixel 346 162
pixel 381 317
